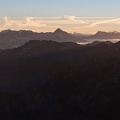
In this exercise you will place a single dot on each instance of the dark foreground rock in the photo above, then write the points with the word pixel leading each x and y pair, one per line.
pixel 67 82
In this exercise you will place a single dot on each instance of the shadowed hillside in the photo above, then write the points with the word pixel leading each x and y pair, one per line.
pixel 49 80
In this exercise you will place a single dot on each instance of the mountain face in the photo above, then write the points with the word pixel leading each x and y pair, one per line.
pixel 60 81
pixel 63 36
pixel 94 43
pixel 14 39
pixel 80 35
pixel 99 35
pixel 105 35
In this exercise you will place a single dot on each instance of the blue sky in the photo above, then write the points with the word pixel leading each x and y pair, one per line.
pixel 19 10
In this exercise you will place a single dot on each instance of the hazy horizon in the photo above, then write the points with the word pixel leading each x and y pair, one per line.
pixel 60 29
pixel 81 16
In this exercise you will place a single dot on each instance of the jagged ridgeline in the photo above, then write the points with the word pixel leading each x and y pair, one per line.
pixel 14 39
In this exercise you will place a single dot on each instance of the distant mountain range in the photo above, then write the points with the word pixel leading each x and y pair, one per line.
pixel 14 39
pixel 98 35
pixel 80 35
pixel 105 35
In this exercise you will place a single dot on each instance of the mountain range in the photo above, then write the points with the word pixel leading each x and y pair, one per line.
pixel 14 39
pixel 99 35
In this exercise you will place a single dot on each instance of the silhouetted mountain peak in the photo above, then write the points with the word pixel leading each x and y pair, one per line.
pixel 59 31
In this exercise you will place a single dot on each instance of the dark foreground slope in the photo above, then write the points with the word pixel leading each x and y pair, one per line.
pixel 60 81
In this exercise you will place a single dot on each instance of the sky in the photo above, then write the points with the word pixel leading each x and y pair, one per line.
pixel 83 16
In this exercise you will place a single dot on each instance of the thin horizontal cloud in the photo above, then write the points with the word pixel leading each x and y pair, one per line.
pixel 69 23
pixel 27 22
pixel 114 21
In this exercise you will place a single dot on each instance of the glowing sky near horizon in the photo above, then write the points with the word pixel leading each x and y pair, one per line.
pixel 84 16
